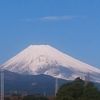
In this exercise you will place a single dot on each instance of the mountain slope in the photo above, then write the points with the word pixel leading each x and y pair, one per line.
pixel 44 59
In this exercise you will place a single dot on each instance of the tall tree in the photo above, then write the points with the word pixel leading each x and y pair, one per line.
pixel 78 90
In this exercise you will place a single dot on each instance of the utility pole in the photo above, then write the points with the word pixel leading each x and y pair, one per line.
pixel 2 85
pixel 87 79
pixel 56 86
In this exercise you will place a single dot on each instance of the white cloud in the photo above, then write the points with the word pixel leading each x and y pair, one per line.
pixel 54 18
pixel 57 18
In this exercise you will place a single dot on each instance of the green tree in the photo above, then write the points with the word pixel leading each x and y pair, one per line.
pixel 78 90
pixel 90 92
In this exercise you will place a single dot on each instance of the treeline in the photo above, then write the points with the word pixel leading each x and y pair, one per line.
pixel 28 97
pixel 75 90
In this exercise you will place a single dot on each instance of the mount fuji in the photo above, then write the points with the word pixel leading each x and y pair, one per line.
pixel 44 59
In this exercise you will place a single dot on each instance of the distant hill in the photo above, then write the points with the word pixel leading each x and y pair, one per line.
pixel 32 84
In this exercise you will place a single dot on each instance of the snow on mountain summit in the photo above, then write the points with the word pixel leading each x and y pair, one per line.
pixel 44 59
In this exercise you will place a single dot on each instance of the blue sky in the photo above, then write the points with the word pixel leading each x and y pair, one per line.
pixel 72 26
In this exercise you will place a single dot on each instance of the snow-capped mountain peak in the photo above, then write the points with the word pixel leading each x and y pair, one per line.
pixel 44 59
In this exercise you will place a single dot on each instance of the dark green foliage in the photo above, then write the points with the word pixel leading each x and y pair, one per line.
pixel 90 92
pixel 78 90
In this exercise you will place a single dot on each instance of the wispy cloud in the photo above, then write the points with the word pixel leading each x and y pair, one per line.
pixel 54 18
pixel 57 18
